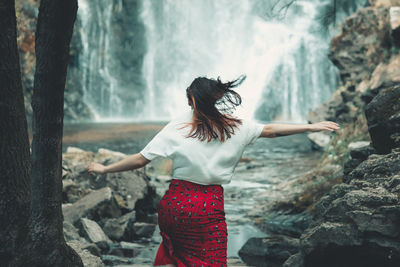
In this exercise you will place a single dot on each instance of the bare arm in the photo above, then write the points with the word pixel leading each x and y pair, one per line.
pixel 131 162
pixel 278 129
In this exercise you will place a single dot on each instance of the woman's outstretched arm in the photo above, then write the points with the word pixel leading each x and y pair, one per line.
pixel 131 162
pixel 278 129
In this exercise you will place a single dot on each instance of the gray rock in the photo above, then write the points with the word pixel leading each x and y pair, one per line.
pixel 358 145
pixel 362 152
pixel 269 251
pixel 88 259
pixel 296 260
pixel 329 233
pixel 376 166
pixel 143 229
pixel 111 260
pixel 284 223
pixel 120 228
pixel 395 24
pixel 92 231
pixel 383 117
pixel 72 233
pixel 319 139
pixel 94 249
pixel 96 205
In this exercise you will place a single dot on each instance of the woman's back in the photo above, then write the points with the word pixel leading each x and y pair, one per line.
pixel 198 161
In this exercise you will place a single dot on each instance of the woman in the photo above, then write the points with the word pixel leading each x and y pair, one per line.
pixel 205 145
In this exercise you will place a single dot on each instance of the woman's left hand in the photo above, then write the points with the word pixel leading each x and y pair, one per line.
pixel 96 168
pixel 324 126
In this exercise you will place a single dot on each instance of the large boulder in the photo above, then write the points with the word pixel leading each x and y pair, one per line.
pixel 383 116
pixel 120 228
pixel 92 231
pixel 96 205
pixel 358 219
pixel 88 259
pixel 269 251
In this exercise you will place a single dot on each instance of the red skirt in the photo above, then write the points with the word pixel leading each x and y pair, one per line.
pixel 192 224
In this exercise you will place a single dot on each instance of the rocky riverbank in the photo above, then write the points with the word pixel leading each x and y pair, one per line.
pixel 348 212
pixel 283 159
pixel 112 216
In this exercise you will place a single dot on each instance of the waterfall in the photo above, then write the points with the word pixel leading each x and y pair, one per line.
pixel 283 54
pixel 110 54
pixel 285 59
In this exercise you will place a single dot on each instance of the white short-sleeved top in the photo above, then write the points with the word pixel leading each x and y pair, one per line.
pixel 198 161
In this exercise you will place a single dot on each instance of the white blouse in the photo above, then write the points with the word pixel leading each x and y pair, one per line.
pixel 198 161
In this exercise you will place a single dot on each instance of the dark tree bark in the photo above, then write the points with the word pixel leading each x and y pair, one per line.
pixel 53 35
pixel 39 240
pixel 14 143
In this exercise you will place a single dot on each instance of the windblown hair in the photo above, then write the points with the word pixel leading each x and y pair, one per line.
pixel 211 99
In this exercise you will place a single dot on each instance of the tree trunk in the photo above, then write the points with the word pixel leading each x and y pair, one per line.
pixel 46 245
pixel 14 143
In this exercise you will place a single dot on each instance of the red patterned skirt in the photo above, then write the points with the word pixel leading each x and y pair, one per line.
pixel 192 224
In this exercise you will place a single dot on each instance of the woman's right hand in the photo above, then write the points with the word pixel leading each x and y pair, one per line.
pixel 324 126
pixel 96 168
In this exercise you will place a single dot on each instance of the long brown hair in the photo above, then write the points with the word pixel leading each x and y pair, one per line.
pixel 209 98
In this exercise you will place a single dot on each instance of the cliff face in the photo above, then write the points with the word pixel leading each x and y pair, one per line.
pixel 357 222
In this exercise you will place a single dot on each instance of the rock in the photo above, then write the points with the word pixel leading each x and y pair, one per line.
pixel 120 228
pixel 361 151
pixel 358 220
pixel 94 249
pixel 385 75
pixel 368 32
pixel 129 245
pixel 395 23
pixel 104 246
pixel 75 161
pixel 351 164
pixel 143 229
pixel 384 220
pixel 132 189
pixel 96 205
pixel 319 139
pixel 376 166
pixel 358 145
pixel 296 260
pixel 105 155
pixel 72 192
pixel 127 249
pixel 112 260
pixel 72 233
pixel 383 117
pixel 92 231
pixel 270 251
pixel 281 222
pixel 88 259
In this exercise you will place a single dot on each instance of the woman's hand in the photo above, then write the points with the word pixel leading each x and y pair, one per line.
pixel 324 126
pixel 96 168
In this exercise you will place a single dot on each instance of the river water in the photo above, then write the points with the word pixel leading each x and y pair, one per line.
pixel 265 164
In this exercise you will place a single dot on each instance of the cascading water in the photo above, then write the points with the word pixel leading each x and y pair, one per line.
pixel 109 56
pixel 285 59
